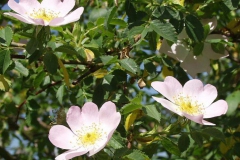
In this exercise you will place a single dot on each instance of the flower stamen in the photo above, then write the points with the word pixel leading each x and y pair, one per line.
pixel 43 13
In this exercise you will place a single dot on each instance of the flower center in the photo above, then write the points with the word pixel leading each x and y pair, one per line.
pixel 189 105
pixel 43 13
pixel 90 136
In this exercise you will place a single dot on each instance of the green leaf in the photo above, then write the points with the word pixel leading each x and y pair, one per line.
pixel 22 69
pixel 218 48
pixel 129 64
pixel 143 34
pixel 197 137
pixel 135 31
pixel 33 105
pixel 130 107
pixel 213 132
pixel 66 49
pixel 233 101
pixel 231 4
pixel 166 30
pixel 39 79
pixel 109 16
pixel 6 34
pixel 198 48
pixel 151 111
pixel 108 59
pixel 97 13
pixel 137 155
pixel 60 93
pixel 118 22
pixel 32 46
pixel 34 56
pixel 170 146
pixel 5 60
pixel 4 83
pixel 51 62
pixel 194 28
pixel 116 141
pixel 183 142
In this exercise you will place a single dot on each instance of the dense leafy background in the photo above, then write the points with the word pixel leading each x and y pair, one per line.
pixel 111 54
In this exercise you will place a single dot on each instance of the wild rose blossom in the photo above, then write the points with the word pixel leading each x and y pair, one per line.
pixel 189 62
pixel 48 12
pixel 91 129
pixel 193 100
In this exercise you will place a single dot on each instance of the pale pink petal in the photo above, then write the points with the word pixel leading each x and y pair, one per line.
pixel 195 64
pixel 169 88
pixel 196 118
pixel 24 6
pixel 208 95
pixel 177 51
pixel 71 154
pixel 108 117
pixel 62 137
pixel 208 123
pixel 89 114
pixel 63 7
pixel 169 105
pixel 208 51
pixel 74 118
pixel 21 18
pixel 99 147
pixel 193 88
pixel 71 17
pixel 212 22
pixel 218 108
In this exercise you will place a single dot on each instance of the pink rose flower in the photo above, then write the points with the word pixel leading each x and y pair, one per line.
pixel 193 101
pixel 46 13
pixel 91 129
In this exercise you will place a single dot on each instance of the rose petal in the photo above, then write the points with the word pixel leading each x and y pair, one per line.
pixel 99 146
pixel 208 123
pixel 197 118
pixel 169 88
pixel 108 117
pixel 21 18
pixel 71 17
pixel 169 105
pixel 62 137
pixel 63 7
pixel 177 51
pixel 195 64
pixel 218 108
pixel 24 6
pixel 208 95
pixel 74 118
pixel 71 154
pixel 193 88
pixel 208 51
pixel 89 114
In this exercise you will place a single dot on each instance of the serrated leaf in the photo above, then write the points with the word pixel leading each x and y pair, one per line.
pixel 183 142
pixel 137 155
pixel 109 16
pixel 130 107
pixel 32 45
pixel 194 28
pixel 108 59
pixel 39 79
pixel 6 34
pixel 22 69
pixel 116 141
pixel 5 60
pixel 197 137
pixel 65 72
pixel 4 83
pixel 66 49
pixel 151 111
pixel 170 146
pixel 213 132
pixel 60 93
pixel 198 48
pixel 233 101
pixel 129 64
pixel 34 56
pixel 89 55
pixel 119 22
pixel 33 105
pixel 166 30
pixel 100 73
pixel 51 62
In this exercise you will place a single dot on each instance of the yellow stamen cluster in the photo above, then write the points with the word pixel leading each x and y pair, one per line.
pixel 189 105
pixel 89 136
pixel 45 14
